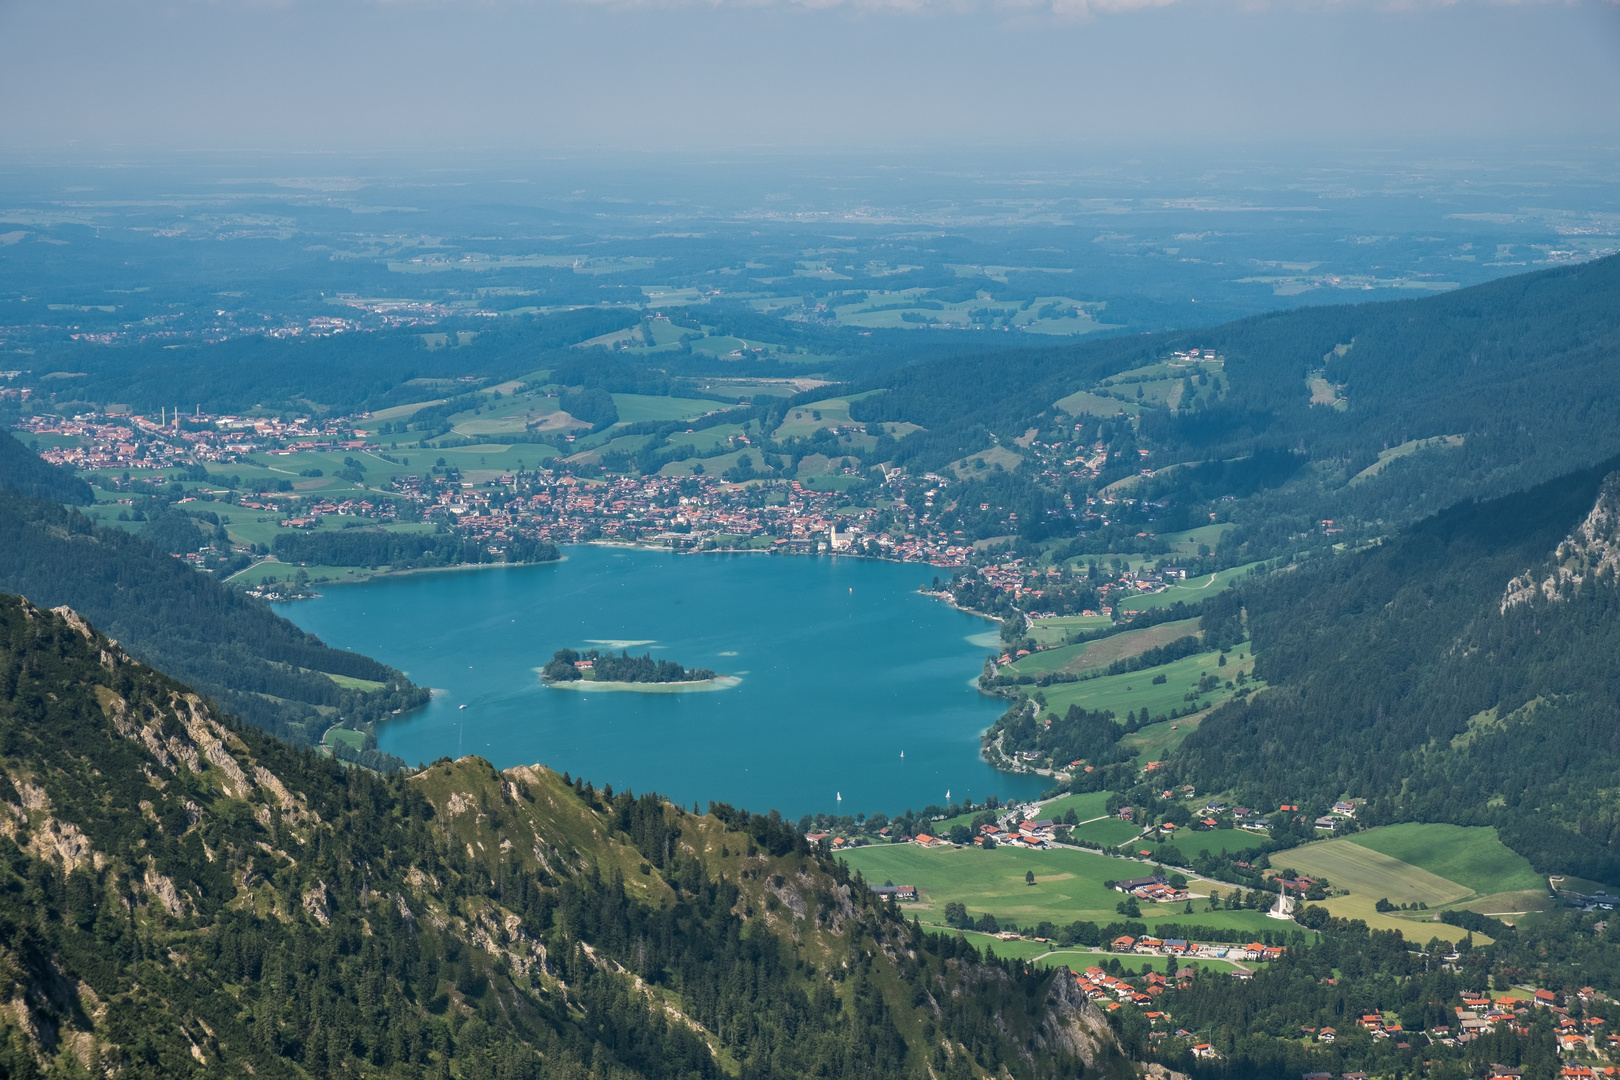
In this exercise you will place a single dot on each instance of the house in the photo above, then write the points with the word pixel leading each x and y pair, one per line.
pixel 1546 998
pixel 896 892
pixel 1205 1051
pixel 1124 943
pixel 1327 822
pixel 1327 1034
pixel 1348 809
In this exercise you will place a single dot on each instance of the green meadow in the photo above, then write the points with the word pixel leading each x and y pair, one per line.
pixel 1086 806
pixel 1068 885
pixel 1057 630
pixel 1090 655
pixel 1136 689
pixel 1441 866
pixel 1471 856
pixel 1085 403
pixel 803 420
pixel 1191 591
pixel 636 407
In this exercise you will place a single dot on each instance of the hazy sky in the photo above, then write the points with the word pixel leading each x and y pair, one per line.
pixel 457 74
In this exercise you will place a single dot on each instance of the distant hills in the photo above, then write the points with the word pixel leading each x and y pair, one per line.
pixel 1521 368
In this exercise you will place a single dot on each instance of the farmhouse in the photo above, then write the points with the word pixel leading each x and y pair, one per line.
pixel 1132 884
pixel 896 892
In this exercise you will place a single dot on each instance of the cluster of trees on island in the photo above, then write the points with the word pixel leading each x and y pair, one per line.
pixel 605 667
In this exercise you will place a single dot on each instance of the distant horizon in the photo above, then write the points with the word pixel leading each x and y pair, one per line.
pixel 624 77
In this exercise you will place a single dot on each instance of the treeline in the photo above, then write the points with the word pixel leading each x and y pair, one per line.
pixel 375 547
pixel 235 648
pixel 1168 653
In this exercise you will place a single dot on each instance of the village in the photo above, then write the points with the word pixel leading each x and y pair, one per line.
pixel 236 460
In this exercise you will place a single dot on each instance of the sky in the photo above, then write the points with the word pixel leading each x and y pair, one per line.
pixel 454 75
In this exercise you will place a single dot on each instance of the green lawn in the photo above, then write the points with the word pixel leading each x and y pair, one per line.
pixel 1110 832
pixel 1087 806
pixel 1068 885
pixel 1472 857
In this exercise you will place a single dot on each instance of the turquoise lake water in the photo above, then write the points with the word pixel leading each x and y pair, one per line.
pixel 844 666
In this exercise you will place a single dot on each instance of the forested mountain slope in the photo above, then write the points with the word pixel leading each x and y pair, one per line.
pixel 23 471
pixel 1521 368
pixel 1463 671
pixel 183 897
pixel 229 645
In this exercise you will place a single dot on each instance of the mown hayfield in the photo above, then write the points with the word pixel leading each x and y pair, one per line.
pixel 1367 872
pixel 1091 655
pixel 1472 857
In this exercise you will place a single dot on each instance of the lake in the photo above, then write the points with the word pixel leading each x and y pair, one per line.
pixel 844 668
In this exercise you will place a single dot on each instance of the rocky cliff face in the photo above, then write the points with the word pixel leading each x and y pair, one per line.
pixel 1591 552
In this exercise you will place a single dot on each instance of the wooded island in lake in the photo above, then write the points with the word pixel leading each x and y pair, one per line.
pixel 569 665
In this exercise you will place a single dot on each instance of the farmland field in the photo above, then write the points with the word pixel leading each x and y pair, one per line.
pixel 1085 403
pixel 1087 806
pixel 1472 857
pixel 1136 690
pixel 1068 885
pixel 1088 656
pixel 634 407
pixel 1371 875
pixel 1054 631
pixel 1108 832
